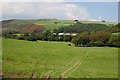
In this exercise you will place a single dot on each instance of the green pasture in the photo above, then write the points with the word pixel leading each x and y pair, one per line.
pixel 116 33
pixel 18 34
pixel 49 24
pixel 21 58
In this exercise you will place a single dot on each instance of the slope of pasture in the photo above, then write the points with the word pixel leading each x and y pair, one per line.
pixel 22 58
pixel 118 33
pixel 49 24
pixel 97 22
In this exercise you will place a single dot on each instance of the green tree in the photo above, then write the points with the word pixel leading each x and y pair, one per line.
pixel 114 41
pixel 81 39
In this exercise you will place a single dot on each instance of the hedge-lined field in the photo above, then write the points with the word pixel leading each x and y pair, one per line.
pixel 22 58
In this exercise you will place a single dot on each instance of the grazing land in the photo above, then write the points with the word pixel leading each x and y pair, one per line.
pixel 118 33
pixel 48 24
pixel 22 58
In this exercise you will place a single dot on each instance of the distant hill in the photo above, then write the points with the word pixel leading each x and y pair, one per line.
pixel 41 24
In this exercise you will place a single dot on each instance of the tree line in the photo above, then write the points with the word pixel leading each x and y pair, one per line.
pixel 101 38
pixel 45 36
pixel 80 27
pixel 83 39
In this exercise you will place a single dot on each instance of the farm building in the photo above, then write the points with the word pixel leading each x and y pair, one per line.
pixel 72 34
pixel 61 34
pixel 67 33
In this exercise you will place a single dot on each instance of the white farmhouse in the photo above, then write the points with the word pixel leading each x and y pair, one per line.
pixel 54 33
pixel 61 34
pixel 67 33
pixel 73 34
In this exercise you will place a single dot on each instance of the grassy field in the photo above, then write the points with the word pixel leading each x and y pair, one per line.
pixel 116 33
pixel 49 24
pixel 18 34
pixel 22 58
pixel 97 22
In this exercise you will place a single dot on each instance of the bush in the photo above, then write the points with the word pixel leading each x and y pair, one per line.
pixel 69 44
pixel 31 38
pixel 82 38
pixel 22 38
pixel 114 41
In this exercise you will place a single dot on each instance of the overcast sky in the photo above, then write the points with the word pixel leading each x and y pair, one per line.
pixel 84 11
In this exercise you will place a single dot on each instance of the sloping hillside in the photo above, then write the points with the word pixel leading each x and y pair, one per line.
pixel 22 26
pixel 41 24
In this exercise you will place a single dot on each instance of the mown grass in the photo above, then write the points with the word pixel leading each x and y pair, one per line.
pixel 56 58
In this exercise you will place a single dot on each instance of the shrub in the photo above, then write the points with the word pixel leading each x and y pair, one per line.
pixel 82 38
pixel 22 38
pixel 114 41
pixel 69 44
pixel 31 38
